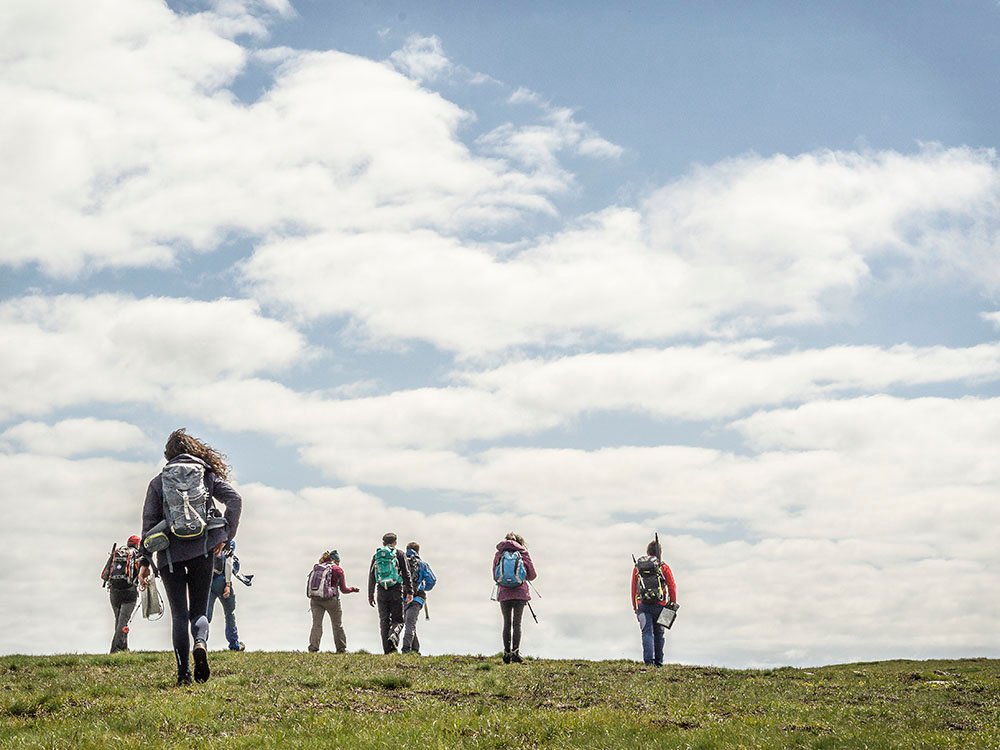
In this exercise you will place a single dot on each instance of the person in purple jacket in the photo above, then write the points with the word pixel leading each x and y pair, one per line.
pixel 512 569
pixel 186 565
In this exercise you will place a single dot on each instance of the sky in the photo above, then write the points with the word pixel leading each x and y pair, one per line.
pixel 576 270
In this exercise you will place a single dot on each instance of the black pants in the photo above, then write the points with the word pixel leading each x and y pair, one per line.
pixel 123 603
pixel 512 610
pixel 187 588
pixel 390 613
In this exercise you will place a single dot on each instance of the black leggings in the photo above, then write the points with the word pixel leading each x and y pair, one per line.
pixel 187 588
pixel 512 610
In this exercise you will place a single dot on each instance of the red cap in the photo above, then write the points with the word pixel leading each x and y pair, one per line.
pixel 133 541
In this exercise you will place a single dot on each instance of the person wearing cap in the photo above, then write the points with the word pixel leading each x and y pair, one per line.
pixel 119 575
pixel 224 566
pixel 336 583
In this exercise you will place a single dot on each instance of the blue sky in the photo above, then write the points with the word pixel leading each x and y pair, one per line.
pixel 457 269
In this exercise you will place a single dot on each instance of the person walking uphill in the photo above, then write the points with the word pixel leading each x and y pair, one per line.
pixel 183 526
pixel 423 579
pixel 225 566
pixel 512 569
pixel 653 589
pixel 324 586
pixel 119 575
pixel 390 574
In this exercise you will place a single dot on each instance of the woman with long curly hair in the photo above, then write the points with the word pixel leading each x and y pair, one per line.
pixel 180 509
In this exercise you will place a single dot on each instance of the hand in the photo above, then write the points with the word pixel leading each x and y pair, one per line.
pixel 226 590
pixel 355 589
pixel 409 598
pixel 143 577
pixel 217 549
pixel 371 602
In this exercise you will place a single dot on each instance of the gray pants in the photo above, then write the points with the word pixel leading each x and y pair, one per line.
pixel 320 607
pixel 122 604
pixel 410 617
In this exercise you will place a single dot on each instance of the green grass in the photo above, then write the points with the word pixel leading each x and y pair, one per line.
pixel 301 700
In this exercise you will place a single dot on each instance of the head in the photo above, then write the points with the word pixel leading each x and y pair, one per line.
pixel 133 541
pixel 389 539
pixel 653 549
pixel 180 442
pixel 330 556
pixel 413 547
pixel 513 537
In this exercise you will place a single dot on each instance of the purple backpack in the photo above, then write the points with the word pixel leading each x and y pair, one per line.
pixel 319 585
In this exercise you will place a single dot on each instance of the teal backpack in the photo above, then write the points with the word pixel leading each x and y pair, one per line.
pixel 386 570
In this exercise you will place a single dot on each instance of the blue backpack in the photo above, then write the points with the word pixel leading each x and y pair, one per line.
pixel 510 571
pixel 425 578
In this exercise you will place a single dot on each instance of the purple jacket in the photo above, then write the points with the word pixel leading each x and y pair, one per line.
pixel 521 593
pixel 188 549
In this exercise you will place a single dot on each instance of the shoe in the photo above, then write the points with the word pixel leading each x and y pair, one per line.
pixel 183 679
pixel 506 657
pixel 313 650
pixel 515 658
pixel 201 670
pixel 238 647
pixel 394 635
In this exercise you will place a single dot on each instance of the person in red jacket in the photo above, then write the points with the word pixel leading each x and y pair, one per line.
pixel 653 588
pixel 512 590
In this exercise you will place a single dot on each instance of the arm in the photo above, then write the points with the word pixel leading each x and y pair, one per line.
pixel 371 582
pixel 223 492
pixel 152 514
pixel 404 570
pixel 529 567
pixel 340 581
pixel 496 559
pixel 671 586
pixel 635 583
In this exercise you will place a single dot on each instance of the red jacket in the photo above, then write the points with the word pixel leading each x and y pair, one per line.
pixel 671 586
pixel 521 593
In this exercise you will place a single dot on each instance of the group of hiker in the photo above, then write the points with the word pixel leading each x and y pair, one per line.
pixel 189 544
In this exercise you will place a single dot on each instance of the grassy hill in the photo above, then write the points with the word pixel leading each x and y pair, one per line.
pixel 301 700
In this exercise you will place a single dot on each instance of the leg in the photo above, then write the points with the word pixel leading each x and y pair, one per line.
pixel 316 633
pixel 505 632
pixel 517 610
pixel 124 615
pixel 383 620
pixel 410 616
pixel 337 623
pixel 175 587
pixel 218 584
pixel 229 607
pixel 395 615
pixel 199 586
pixel 646 621
pixel 115 609
pixel 658 635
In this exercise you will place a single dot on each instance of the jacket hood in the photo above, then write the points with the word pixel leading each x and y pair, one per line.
pixel 187 458
pixel 509 544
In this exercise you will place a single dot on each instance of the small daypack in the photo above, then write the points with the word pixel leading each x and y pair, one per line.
pixel 386 571
pixel 319 584
pixel 510 571
pixel 650 583
pixel 421 575
pixel 186 500
pixel 123 568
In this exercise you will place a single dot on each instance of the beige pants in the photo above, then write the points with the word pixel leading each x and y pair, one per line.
pixel 319 607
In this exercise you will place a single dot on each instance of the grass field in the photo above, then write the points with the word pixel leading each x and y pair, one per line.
pixel 301 700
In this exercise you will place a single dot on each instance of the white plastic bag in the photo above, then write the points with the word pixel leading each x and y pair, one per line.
pixel 152 602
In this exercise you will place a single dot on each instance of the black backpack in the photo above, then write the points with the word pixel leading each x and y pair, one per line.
pixel 123 568
pixel 651 586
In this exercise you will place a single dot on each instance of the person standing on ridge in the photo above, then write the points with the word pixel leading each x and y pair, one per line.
pixel 390 574
pixel 182 525
pixel 120 575
pixel 423 579
pixel 225 565
pixel 653 589
pixel 324 586
pixel 512 569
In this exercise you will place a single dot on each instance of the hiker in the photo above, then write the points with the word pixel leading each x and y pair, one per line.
pixel 120 575
pixel 390 573
pixel 181 523
pixel 512 569
pixel 653 589
pixel 324 586
pixel 423 579
pixel 225 566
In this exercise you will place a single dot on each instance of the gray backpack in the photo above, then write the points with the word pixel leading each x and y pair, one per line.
pixel 186 501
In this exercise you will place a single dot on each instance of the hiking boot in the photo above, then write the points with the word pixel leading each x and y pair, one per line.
pixel 201 670
pixel 183 679
pixel 506 657
pixel 238 647
pixel 515 658
pixel 394 635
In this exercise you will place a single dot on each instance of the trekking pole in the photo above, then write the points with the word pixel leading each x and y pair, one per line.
pixel 427 611
pixel 111 558
pixel 532 587
pixel 530 609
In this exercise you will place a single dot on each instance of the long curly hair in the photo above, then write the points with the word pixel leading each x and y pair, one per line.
pixel 180 442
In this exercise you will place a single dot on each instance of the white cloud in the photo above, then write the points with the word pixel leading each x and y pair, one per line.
pixel 68 350
pixel 72 437
pixel 422 58
pixel 741 246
